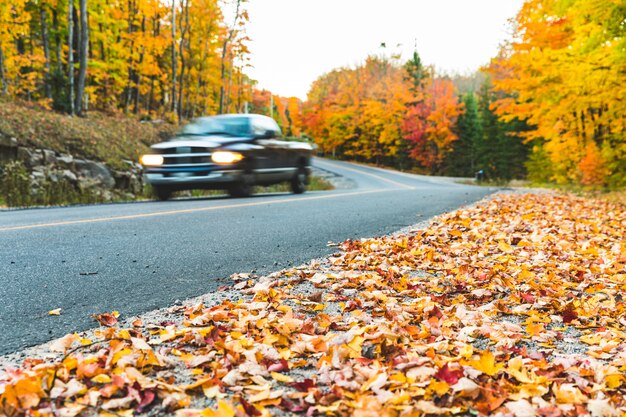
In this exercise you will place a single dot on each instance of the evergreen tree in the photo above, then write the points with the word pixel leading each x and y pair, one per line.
pixel 415 73
pixel 462 162
pixel 501 152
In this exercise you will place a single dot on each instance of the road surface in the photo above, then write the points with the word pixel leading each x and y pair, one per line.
pixel 137 257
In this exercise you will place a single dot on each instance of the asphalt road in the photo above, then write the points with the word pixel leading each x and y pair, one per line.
pixel 137 257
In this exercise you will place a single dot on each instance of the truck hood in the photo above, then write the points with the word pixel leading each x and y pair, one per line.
pixel 213 141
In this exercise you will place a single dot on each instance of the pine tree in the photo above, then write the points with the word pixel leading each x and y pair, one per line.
pixel 501 152
pixel 462 162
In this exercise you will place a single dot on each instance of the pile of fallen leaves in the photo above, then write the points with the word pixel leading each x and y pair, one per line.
pixel 512 307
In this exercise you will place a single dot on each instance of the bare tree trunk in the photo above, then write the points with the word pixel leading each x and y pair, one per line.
pixel 46 49
pixel 184 28
pixel 84 50
pixel 231 33
pixel 70 52
pixel 57 39
pixel 137 73
pixel 3 79
pixel 227 101
pixel 174 63
pixel 129 81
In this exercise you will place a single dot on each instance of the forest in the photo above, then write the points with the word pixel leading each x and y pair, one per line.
pixel 177 59
pixel 549 107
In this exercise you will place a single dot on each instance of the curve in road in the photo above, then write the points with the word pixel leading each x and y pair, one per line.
pixel 138 257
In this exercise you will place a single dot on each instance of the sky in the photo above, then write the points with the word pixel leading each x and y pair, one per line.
pixel 293 42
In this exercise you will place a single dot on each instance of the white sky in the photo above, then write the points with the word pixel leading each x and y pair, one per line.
pixel 296 41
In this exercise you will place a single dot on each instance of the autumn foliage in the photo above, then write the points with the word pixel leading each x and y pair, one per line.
pixel 375 112
pixel 511 307
pixel 564 73
pixel 176 59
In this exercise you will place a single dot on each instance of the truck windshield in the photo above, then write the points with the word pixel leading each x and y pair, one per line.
pixel 232 126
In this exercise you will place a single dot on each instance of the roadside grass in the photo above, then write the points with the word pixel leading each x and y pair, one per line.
pixel 510 307
pixel 315 184
pixel 110 138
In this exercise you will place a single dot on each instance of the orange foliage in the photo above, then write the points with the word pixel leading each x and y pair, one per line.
pixel 592 167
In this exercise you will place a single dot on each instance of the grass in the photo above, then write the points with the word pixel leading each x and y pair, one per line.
pixel 110 138
pixel 315 184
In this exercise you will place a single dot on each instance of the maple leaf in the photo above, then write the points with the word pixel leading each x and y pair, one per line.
pixel 304 385
pixel 107 319
pixel 569 314
pixel 450 376
pixel 486 364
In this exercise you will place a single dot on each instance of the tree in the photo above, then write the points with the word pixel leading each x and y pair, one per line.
pixel 83 57
pixel 501 151
pixel 462 161
pixel 563 74
pixel 70 54
pixel 225 45
pixel 428 125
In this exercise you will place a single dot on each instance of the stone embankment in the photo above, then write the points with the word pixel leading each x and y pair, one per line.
pixel 45 166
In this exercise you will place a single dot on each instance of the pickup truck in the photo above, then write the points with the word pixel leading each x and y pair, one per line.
pixel 233 152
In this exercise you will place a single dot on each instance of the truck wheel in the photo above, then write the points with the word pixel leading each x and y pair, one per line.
pixel 162 193
pixel 243 187
pixel 299 181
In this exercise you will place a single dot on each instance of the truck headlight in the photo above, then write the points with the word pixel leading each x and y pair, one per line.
pixel 226 157
pixel 151 160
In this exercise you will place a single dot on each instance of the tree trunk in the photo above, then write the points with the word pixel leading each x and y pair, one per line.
pixel 184 28
pixel 129 81
pixel 83 51
pixel 70 53
pixel 137 73
pixel 231 33
pixel 174 63
pixel 227 102
pixel 46 49
pixel 57 40
pixel 3 80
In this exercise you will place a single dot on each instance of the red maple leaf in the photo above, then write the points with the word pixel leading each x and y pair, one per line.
pixel 303 386
pixel 569 314
pixel 451 376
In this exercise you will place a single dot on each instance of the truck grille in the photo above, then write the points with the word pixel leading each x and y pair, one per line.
pixel 186 156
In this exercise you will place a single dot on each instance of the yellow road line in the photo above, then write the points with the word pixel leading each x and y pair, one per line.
pixel 185 211
pixel 369 174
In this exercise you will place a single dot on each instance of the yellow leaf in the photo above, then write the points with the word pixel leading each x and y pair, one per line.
pixel 486 364
pixel 319 307
pixel 101 379
pixel 55 312
pixel 438 387
pixel 614 381
pixel 568 394
pixel 504 247
pixel 281 378
pixel 533 329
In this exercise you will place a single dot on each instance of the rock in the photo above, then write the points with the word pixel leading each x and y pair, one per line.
pixel 95 171
pixel 69 176
pixel 127 181
pixel 38 176
pixel 64 160
pixel 31 157
pixel 49 156
pixel 135 184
